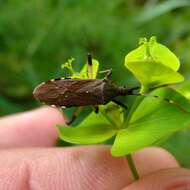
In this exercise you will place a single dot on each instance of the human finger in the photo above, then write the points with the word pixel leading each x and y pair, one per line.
pixel 166 179
pixel 81 168
pixel 32 128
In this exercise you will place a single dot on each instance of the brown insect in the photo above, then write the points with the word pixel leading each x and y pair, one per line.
pixel 79 92
pixel 69 92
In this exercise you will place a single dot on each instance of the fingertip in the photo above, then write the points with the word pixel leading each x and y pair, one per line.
pixel 172 178
pixel 32 128
pixel 153 159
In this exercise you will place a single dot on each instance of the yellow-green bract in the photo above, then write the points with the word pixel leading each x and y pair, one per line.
pixel 153 64
pixel 83 74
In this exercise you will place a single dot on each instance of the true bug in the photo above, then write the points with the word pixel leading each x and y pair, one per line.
pixel 70 92
pixel 79 92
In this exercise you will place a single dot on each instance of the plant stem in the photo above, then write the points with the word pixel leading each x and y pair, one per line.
pixel 132 167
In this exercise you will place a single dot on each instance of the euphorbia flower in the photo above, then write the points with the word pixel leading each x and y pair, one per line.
pixel 153 64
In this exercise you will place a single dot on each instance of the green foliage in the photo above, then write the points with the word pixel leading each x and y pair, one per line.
pixel 153 64
pixel 94 129
pixel 158 115
pixel 184 89
pixel 153 51
pixel 151 12
pixel 92 134
pixel 84 71
pixel 114 114
pixel 153 74
pixel 68 65
pixel 153 120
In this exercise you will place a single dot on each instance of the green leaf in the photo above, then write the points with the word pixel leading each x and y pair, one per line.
pixel 152 121
pixel 132 108
pixel 152 74
pixel 174 96
pixel 151 103
pixel 113 113
pixel 94 129
pixel 184 89
pixel 86 135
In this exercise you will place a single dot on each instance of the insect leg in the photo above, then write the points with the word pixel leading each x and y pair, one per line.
pixel 120 104
pixel 74 115
pixel 108 73
pixel 96 109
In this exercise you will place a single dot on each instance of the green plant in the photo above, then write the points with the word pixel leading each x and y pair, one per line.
pixel 157 114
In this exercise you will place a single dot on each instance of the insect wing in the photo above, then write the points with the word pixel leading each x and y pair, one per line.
pixel 70 92
pixel 77 92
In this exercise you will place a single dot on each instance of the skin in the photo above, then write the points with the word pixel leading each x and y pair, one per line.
pixel 29 161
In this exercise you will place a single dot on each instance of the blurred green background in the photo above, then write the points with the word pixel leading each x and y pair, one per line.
pixel 37 36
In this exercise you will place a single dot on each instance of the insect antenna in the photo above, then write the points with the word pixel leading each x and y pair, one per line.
pixel 89 66
pixel 171 101
pixel 124 91
pixel 108 73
